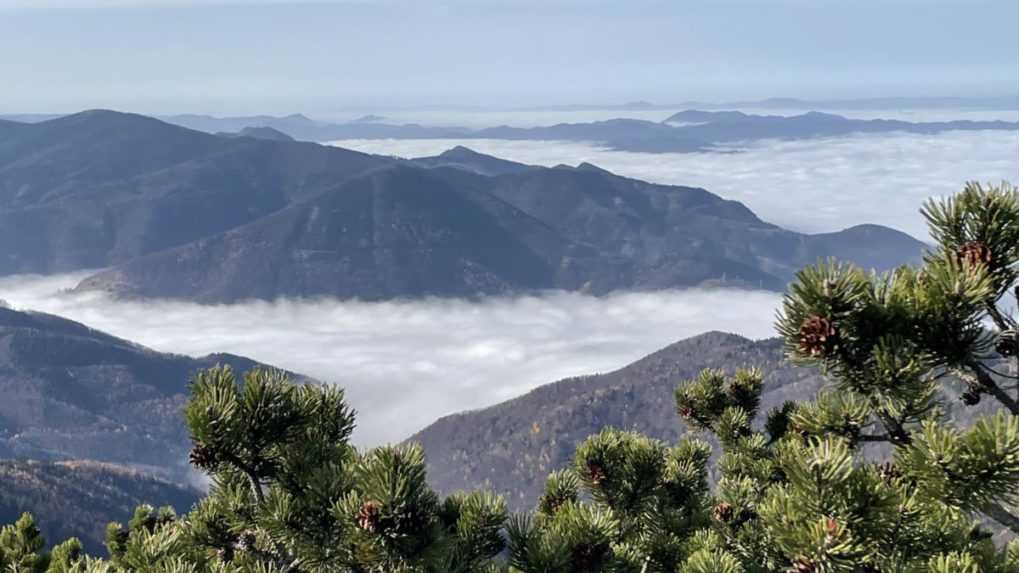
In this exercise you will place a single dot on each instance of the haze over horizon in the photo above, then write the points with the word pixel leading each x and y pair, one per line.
pixel 223 57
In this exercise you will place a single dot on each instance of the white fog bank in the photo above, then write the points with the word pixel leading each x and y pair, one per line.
pixel 406 363
pixel 814 186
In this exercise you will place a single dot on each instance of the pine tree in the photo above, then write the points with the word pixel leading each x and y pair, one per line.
pixel 290 493
pixel 646 500
pixel 871 476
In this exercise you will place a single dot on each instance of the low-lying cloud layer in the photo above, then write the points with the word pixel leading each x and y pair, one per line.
pixel 813 186
pixel 406 363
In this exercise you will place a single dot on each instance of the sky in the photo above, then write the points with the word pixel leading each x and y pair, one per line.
pixel 258 56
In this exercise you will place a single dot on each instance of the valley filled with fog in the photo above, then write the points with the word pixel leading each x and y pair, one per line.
pixel 813 186
pixel 406 363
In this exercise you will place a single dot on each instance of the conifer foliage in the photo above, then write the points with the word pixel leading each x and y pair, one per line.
pixel 867 476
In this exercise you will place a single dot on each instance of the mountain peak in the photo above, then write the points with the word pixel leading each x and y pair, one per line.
pixel 460 152
pixel 700 116
pixel 267 133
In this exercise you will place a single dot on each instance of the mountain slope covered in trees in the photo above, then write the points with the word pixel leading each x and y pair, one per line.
pixel 215 218
pixel 100 187
pixel 406 231
pixel 511 447
pixel 72 392
pixel 79 498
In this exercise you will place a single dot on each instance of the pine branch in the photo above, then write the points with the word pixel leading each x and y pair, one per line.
pixel 988 384
pixel 1002 321
pixel 874 438
pixel 896 432
pixel 998 513
pixel 256 484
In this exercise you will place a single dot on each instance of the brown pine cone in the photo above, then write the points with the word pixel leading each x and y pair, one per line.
pixel 976 253
pixel 369 515
pixel 803 565
pixel 831 527
pixel 818 336
pixel 722 512
pixel 596 472
pixel 201 456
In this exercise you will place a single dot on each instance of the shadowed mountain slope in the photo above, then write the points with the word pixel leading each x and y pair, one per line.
pixel 99 187
pixel 71 392
pixel 408 231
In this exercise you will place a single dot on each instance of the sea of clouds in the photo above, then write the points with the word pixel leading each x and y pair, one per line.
pixel 406 363
pixel 813 185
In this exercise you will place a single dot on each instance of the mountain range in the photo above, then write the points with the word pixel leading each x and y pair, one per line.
pixel 708 128
pixel 687 131
pixel 99 188
pixel 185 214
pixel 90 425
pixel 404 231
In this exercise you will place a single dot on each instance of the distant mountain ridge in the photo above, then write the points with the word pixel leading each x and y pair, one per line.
pixel 99 188
pixel 407 231
pixel 181 213
pixel 260 133
pixel 679 133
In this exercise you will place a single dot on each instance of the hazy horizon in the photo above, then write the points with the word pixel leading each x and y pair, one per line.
pixel 231 58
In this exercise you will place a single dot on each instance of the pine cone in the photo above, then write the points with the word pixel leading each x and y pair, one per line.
pixel 851 430
pixel 225 554
pixel 596 472
pixel 202 457
pixel 722 512
pixel 369 515
pixel 970 398
pixel 976 253
pixel 831 527
pixel 803 565
pixel 586 556
pixel 551 504
pixel 1008 343
pixel 246 541
pixel 889 472
pixel 818 336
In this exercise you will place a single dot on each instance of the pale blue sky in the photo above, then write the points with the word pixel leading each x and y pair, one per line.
pixel 252 56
